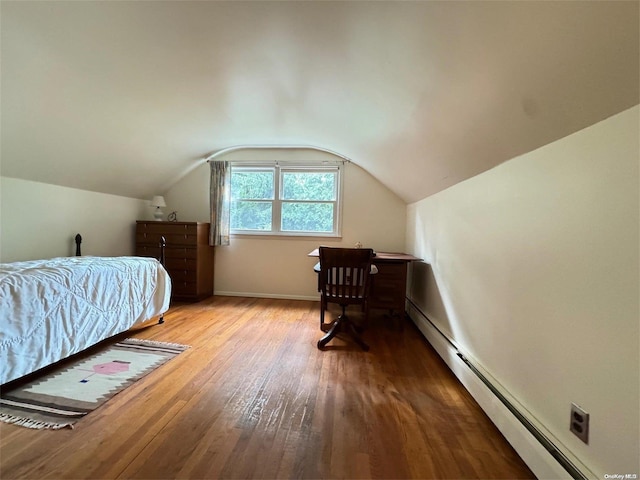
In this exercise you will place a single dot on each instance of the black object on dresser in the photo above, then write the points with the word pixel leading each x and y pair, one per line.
pixel 188 256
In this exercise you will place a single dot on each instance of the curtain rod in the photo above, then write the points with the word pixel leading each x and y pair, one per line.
pixel 213 156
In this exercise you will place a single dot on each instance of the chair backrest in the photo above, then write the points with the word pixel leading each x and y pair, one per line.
pixel 344 274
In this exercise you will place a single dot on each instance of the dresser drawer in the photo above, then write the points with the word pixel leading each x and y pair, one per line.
pixel 182 276
pixel 180 252
pixel 175 257
pixel 167 228
pixel 181 263
pixel 147 251
pixel 183 289
pixel 171 238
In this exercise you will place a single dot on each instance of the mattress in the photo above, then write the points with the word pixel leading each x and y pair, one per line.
pixel 51 309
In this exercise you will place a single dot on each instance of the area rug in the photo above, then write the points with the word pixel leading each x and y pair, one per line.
pixel 61 397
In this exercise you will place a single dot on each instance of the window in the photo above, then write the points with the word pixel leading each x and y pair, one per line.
pixel 285 200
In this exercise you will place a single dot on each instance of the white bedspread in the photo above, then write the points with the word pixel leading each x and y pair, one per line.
pixel 50 309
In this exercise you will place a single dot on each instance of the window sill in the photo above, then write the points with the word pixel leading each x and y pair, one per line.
pixel 288 236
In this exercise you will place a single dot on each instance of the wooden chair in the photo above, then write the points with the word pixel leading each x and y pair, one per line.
pixel 344 279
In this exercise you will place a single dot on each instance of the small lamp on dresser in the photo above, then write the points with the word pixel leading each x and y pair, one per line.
pixel 158 203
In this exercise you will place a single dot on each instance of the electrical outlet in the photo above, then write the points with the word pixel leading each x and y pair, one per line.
pixel 579 423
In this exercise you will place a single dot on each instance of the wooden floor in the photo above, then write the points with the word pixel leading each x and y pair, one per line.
pixel 254 398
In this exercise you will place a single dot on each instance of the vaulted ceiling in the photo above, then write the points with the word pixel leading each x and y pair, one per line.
pixel 124 97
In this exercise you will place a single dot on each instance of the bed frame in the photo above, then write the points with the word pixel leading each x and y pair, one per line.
pixel 161 257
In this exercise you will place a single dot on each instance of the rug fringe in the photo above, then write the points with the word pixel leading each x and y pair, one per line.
pixel 154 343
pixel 14 408
pixel 30 423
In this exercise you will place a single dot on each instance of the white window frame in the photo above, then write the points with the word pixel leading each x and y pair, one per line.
pixel 277 201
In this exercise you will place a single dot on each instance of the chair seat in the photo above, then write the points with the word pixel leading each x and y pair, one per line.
pixel 373 270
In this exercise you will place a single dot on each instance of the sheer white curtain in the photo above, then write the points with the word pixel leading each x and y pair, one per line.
pixel 220 201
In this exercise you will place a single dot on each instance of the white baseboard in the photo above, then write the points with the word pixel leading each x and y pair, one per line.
pixel 267 295
pixel 533 453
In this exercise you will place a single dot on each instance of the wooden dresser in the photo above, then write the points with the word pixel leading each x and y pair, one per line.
pixel 188 256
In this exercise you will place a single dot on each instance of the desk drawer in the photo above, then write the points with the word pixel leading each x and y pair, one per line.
pixel 390 271
pixel 388 286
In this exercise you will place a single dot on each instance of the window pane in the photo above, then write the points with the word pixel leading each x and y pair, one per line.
pixel 248 215
pixel 309 186
pixel 252 185
pixel 307 217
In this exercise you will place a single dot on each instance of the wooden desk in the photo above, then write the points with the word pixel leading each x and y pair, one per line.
pixel 389 285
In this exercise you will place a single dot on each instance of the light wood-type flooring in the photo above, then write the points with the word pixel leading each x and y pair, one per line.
pixel 254 398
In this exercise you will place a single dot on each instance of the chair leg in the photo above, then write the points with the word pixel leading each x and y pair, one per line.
pixel 325 327
pixel 356 336
pixel 336 327
pixel 333 331
pixel 343 323
pixel 361 328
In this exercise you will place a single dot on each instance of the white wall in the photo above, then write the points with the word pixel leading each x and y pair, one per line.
pixel 41 220
pixel 279 266
pixel 532 269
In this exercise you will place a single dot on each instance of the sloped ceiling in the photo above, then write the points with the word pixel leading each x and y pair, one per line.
pixel 125 97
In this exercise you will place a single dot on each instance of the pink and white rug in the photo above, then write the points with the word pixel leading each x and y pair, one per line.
pixel 61 397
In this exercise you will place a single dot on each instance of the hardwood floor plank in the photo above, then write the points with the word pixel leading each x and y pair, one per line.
pixel 254 398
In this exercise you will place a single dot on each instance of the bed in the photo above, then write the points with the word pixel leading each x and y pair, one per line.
pixel 51 309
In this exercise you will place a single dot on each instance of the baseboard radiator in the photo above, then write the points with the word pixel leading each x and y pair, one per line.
pixel 544 441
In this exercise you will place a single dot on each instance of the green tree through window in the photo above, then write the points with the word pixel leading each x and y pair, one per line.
pixel 252 192
pixel 285 200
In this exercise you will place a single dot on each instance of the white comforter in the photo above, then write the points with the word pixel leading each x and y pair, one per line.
pixel 50 309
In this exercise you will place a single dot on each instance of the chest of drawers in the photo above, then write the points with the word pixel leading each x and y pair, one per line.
pixel 188 256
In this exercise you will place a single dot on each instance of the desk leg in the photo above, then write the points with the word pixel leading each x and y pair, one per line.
pixel 397 318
